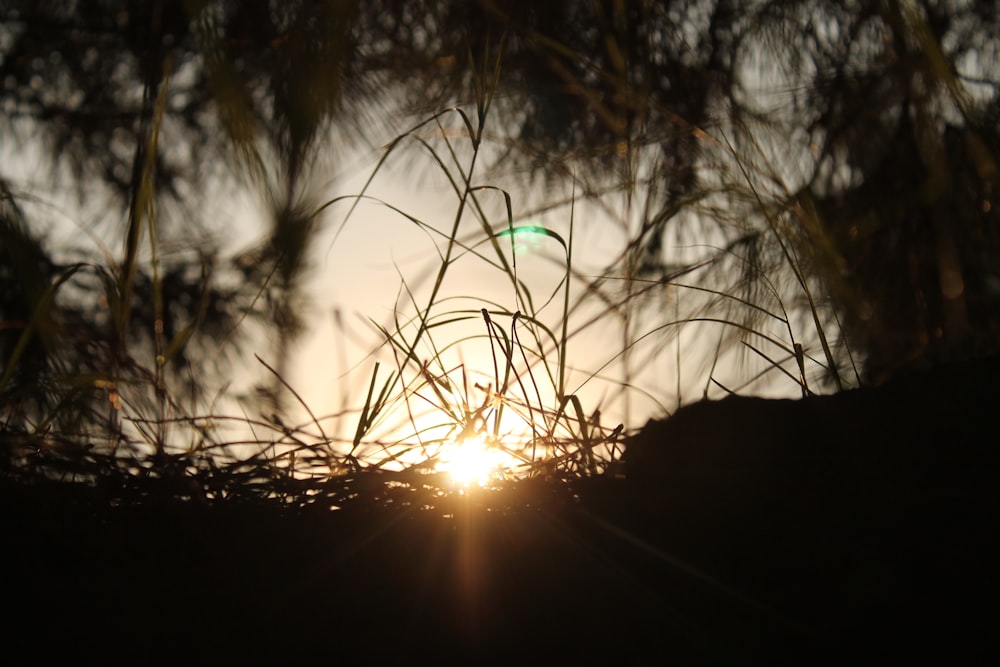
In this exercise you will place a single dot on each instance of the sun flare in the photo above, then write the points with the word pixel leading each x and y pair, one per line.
pixel 472 462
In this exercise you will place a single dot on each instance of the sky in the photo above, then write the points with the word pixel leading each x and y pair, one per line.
pixel 378 250
pixel 376 268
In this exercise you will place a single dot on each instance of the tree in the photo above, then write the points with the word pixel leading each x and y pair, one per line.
pixel 885 128
pixel 889 108
pixel 142 97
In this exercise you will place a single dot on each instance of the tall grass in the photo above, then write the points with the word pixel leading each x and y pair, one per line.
pixel 139 435
pixel 452 366
pixel 523 409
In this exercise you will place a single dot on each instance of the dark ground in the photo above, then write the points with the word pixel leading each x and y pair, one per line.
pixel 860 528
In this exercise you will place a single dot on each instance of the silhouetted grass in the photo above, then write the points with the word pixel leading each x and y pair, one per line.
pixel 149 508
pixel 423 398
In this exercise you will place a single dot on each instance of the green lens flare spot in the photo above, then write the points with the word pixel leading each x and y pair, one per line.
pixel 528 239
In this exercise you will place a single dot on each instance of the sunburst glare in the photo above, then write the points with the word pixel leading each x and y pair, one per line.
pixel 473 462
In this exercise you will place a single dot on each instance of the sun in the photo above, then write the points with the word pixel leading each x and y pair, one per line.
pixel 472 462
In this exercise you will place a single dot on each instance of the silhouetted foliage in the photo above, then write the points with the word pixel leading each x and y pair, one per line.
pixel 902 103
pixel 828 152
pixel 882 115
pixel 146 97
pixel 87 74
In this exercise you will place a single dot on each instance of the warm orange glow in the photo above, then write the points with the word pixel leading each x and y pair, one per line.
pixel 473 462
